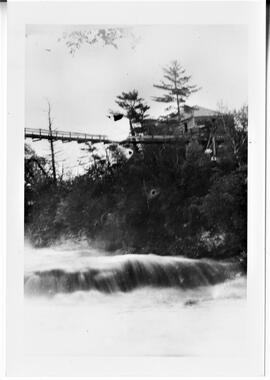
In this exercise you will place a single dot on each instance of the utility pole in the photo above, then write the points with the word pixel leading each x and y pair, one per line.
pixel 51 143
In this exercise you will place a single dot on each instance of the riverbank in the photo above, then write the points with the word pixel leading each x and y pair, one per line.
pixel 166 200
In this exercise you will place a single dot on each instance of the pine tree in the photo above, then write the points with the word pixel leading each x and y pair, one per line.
pixel 177 86
pixel 135 107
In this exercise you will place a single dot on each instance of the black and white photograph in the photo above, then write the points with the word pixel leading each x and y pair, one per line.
pixel 136 188
pixel 135 199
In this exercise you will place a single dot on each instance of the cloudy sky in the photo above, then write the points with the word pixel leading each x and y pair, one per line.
pixel 82 87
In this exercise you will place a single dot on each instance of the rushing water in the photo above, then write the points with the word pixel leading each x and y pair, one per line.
pixel 85 303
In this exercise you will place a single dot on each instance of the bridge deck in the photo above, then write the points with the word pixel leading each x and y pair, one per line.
pixel 64 136
pixel 43 134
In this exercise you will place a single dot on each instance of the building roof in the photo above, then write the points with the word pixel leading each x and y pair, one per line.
pixel 203 112
pixel 188 112
pixel 197 112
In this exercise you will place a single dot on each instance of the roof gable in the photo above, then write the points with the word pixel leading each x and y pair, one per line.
pixel 202 111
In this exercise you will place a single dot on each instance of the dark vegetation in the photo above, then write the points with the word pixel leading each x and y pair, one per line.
pixel 167 199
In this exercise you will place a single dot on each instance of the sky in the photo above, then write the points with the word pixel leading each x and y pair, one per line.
pixel 82 87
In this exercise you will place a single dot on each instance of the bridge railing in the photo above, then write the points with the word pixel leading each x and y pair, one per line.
pixel 33 132
pixel 196 132
pixel 86 137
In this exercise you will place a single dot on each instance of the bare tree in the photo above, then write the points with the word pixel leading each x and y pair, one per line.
pixel 235 126
pixel 50 121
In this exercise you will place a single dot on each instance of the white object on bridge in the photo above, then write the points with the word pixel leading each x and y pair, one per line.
pixel 208 151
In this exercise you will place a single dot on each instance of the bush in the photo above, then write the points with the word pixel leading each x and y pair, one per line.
pixel 195 201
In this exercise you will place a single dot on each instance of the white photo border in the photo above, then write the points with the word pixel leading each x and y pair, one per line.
pixel 250 13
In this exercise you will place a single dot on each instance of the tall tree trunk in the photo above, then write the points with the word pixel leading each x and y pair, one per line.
pixel 132 132
pixel 131 128
pixel 178 108
pixel 51 143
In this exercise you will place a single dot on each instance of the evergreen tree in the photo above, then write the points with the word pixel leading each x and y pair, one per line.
pixel 134 107
pixel 176 85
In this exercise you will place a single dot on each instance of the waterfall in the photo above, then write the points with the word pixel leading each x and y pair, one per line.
pixel 127 272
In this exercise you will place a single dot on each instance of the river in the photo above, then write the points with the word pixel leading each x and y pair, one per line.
pixel 84 302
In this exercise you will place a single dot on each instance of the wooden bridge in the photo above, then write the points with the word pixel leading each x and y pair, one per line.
pixel 64 136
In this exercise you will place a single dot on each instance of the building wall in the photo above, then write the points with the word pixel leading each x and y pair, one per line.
pixel 172 127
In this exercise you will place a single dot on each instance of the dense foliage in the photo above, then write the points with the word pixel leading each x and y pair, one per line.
pixel 169 199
